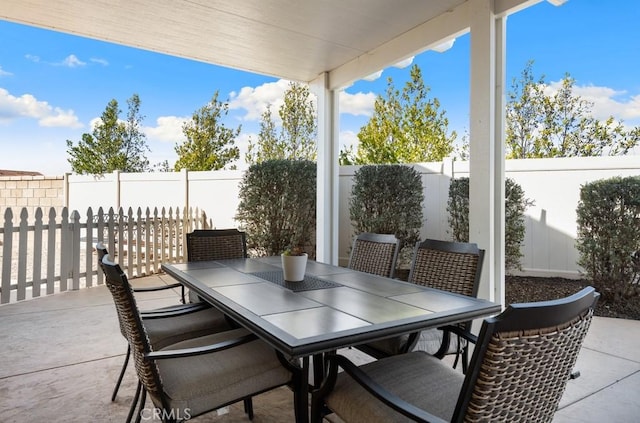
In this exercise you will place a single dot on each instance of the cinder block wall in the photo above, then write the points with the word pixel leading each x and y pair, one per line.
pixel 31 192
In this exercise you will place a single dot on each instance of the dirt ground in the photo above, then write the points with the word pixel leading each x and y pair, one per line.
pixel 525 289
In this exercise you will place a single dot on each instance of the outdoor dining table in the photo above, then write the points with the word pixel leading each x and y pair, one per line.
pixel 333 307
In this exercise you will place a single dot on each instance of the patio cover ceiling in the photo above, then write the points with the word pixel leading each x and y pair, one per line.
pixel 295 40
pixel 331 44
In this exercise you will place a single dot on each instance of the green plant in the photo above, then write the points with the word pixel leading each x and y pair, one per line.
pixel 458 209
pixel 387 199
pixel 608 218
pixel 278 206
pixel 294 251
pixel 515 205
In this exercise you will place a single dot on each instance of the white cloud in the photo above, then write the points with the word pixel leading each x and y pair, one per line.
pixel 4 72
pixel 102 62
pixel 255 100
pixel 348 139
pixel 61 118
pixel 606 102
pixel 94 122
pixel 404 63
pixel 32 58
pixel 373 76
pixel 27 106
pixel 167 129
pixel 72 61
pixel 242 142
pixel 358 104
pixel 444 46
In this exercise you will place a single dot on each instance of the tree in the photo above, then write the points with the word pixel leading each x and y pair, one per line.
pixel 387 199
pixel 406 127
pixel 297 138
pixel 560 124
pixel 113 145
pixel 277 206
pixel 209 144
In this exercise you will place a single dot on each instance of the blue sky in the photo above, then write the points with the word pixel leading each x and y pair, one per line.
pixel 54 85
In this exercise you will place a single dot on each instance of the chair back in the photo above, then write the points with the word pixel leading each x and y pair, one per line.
pixel 450 266
pixel 524 358
pixel 216 244
pixel 375 253
pixel 131 321
pixel 101 250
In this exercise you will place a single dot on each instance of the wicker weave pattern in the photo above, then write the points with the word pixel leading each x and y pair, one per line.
pixel 449 271
pixel 131 322
pixel 215 247
pixel 101 253
pixel 541 361
pixel 373 257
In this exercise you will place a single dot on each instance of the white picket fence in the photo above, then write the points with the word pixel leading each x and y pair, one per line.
pixel 42 257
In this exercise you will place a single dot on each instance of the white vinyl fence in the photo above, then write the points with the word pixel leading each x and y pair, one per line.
pixel 553 185
pixel 51 254
pixel 56 253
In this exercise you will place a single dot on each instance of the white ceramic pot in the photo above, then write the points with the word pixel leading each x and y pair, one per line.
pixel 294 267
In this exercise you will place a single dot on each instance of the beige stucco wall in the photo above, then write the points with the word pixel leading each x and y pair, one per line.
pixel 31 192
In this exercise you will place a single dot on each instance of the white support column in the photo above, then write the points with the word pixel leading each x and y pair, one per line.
pixel 498 163
pixel 482 207
pixel 327 195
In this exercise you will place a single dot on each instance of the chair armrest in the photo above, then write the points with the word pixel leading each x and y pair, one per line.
pixel 161 288
pixel 381 393
pixel 207 349
pixel 461 333
pixel 174 311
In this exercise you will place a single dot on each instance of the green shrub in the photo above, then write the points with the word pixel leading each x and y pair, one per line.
pixel 387 199
pixel 609 234
pixel 458 209
pixel 515 206
pixel 278 206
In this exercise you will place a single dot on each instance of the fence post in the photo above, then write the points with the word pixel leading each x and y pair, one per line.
pixel 185 178
pixel 66 190
pixel 116 179
pixel 100 236
pixel 157 233
pixel 74 226
pixel 7 245
pixel 88 262
pixel 37 254
pixel 171 232
pixel 120 224
pixel 129 240
pixel 51 251
pixel 138 242
pixel 22 254
pixel 65 250
pixel 148 250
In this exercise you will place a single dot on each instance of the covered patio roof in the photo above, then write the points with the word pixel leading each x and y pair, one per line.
pixel 295 40
pixel 329 44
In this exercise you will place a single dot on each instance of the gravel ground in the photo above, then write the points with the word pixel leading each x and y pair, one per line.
pixel 525 289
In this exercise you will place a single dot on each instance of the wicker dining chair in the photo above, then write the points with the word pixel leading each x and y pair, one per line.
pixel 449 266
pixel 518 373
pixel 101 250
pixel 454 267
pixel 375 253
pixel 196 375
pixel 215 244
pixel 170 324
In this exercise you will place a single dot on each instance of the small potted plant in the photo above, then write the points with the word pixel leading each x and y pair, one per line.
pixel 294 263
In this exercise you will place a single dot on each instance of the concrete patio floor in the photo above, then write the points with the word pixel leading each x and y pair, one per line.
pixel 62 354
